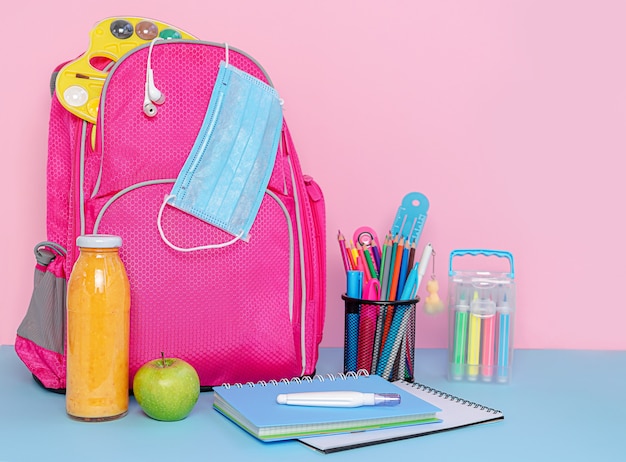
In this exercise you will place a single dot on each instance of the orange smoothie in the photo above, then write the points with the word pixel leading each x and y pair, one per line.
pixel 98 313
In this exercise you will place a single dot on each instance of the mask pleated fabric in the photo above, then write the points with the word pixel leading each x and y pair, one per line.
pixel 224 178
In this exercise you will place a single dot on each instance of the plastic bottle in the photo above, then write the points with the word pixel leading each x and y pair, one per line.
pixel 98 318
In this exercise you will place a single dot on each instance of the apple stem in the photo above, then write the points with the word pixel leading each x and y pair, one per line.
pixel 162 359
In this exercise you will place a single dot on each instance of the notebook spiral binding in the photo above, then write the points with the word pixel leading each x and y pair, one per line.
pixel 364 373
pixel 448 396
pixel 321 378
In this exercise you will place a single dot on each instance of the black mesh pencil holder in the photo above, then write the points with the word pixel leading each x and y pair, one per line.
pixel 380 337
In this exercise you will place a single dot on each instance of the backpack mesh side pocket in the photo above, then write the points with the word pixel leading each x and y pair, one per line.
pixel 40 342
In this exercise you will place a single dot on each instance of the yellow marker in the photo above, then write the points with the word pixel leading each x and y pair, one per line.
pixel 473 343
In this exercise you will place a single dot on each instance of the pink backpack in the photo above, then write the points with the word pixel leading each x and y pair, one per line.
pixel 249 311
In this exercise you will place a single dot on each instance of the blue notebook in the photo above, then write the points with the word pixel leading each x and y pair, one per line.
pixel 254 408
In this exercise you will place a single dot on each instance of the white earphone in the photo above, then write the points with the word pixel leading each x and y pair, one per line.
pixel 152 94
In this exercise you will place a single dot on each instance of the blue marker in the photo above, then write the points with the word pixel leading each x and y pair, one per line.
pixel 409 290
pixel 354 290
pixel 504 335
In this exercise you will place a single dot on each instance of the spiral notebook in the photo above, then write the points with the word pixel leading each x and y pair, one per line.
pixel 455 413
pixel 254 408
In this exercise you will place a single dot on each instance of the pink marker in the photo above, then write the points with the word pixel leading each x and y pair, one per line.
pixel 367 325
pixel 488 347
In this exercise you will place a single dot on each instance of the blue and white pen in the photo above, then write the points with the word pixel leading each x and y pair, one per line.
pixel 421 270
pixel 338 399
pixel 416 275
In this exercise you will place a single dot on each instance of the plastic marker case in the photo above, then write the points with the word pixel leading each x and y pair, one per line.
pixel 481 311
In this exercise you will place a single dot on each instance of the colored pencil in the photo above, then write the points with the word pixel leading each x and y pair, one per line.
pixel 355 255
pixel 363 263
pixel 393 247
pixel 396 269
pixel 384 267
pixel 376 254
pixel 403 268
pixel 344 252
pixel 370 262
pixel 412 255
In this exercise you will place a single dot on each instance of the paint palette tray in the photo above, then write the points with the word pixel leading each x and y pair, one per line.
pixel 481 311
pixel 79 83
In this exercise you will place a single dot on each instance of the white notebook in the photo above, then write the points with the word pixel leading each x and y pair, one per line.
pixel 455 412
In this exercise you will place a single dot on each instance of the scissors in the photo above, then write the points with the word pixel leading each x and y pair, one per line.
pixel 371 290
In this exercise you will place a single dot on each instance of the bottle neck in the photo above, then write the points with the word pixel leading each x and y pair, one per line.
pixel 99 250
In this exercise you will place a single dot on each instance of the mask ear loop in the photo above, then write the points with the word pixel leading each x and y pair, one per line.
pixel 226 49
pixel 189 249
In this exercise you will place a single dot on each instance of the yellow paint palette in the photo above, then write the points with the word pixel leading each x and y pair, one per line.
pixel 79 83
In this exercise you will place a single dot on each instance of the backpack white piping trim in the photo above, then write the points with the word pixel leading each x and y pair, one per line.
pixel 81 176
pixel 268 192
pixel 102 108
pixel 304 291
pixel 291 252
pixel 128 189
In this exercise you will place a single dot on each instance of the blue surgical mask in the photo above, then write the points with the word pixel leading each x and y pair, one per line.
pixel 223 180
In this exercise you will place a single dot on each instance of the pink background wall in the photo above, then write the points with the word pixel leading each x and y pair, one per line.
pixel 509 115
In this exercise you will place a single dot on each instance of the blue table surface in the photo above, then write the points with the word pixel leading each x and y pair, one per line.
pixel 561 405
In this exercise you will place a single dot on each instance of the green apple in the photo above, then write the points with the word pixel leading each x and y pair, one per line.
pixel 167 389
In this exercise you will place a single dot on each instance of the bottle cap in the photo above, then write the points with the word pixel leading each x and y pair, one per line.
pixel 99 241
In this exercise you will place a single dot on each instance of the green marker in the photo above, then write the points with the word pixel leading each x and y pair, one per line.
pixel 460 338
